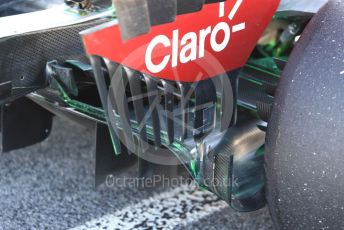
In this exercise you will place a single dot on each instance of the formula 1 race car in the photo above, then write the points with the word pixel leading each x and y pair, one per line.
pixel 244 94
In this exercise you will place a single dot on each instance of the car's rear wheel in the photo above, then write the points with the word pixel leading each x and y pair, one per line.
pixel 305 140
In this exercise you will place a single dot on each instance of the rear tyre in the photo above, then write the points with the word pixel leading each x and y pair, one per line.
pixel 305 140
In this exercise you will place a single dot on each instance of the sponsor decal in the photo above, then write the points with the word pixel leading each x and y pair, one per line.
pixel 197 46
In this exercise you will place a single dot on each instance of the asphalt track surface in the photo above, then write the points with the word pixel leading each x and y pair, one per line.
pixel 51 186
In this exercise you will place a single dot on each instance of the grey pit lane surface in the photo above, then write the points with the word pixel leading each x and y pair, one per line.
pixel 51 186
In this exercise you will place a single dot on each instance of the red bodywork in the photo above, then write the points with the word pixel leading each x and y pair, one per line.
pixel 235 27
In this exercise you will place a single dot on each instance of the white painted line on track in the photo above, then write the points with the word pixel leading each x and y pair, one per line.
pixel 175 207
